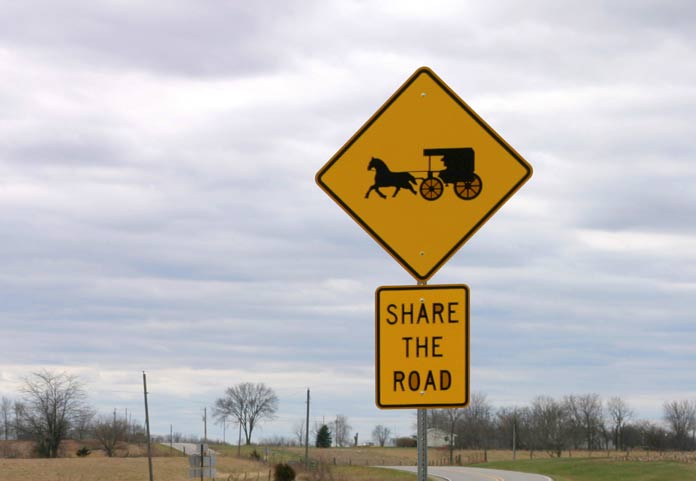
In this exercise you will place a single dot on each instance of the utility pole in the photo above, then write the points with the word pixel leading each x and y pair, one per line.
pixel 306 439
pixel 514 439
pixel 205 425
pixel 147 426
pixel 202 460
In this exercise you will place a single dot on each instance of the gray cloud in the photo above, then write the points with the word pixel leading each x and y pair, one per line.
pixel 181 38
pixel 158 209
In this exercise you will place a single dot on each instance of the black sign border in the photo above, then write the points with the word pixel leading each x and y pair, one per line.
pixel 368 124
pixel 466 347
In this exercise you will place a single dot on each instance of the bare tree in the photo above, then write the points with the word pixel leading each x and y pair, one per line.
pixel 509 422
pixel 83 423
pixel 681 417
pixel 299 431
pixel 525 433
pixel 5 410
pixel 549 423
pixel 573 429
pixel 653 436
pixel 110 433
pixel 448 420
pixel 619 413
pixel 476 423
pixel 586 415
pixel 52 401
pixel 341 431
pixel 381 435
pixel 19 408
pixel 249 404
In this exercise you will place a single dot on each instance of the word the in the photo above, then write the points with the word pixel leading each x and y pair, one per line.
pixel 425 347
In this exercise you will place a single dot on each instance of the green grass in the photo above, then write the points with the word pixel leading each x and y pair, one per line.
pixel 601 469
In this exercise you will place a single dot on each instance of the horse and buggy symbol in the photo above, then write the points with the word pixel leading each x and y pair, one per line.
pixel 458 171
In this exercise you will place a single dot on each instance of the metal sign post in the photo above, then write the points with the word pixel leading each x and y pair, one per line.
pixel 422 440
pixel 422 436
pixel 422 352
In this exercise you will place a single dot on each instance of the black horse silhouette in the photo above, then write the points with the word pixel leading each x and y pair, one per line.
pixel 386 178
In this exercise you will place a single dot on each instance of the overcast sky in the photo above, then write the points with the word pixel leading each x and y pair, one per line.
pixel 158 208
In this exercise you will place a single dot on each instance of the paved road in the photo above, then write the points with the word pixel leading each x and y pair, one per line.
pixel 452 473
pixel 187 448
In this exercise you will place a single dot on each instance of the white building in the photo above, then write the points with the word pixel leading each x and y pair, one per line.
pixel 437 438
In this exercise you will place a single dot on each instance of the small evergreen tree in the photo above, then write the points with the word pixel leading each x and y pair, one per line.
pixel 323 437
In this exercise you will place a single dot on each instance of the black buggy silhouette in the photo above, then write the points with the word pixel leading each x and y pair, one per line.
pixel 459 171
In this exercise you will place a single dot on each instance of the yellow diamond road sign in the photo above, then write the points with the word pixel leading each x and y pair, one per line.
pixel 422 346
pixel 423 174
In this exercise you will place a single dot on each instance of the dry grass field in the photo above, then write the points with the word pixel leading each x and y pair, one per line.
pixel 100 468
pixel 167 466
pixel 333 464
pixel 172 469
pixel 89 469
pixel 374 456
pixel 68 449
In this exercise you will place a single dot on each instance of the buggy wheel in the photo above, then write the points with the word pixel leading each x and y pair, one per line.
pixel 431 188
pixel 468 189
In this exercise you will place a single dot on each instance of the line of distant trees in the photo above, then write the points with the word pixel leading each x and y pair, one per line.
pixel 53 407
pixel 570 423
pixel 573 422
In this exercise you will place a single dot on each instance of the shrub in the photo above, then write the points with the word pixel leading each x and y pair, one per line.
pixel 255 455
pixel 405 442
pixel 83 452
pixel 283 472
